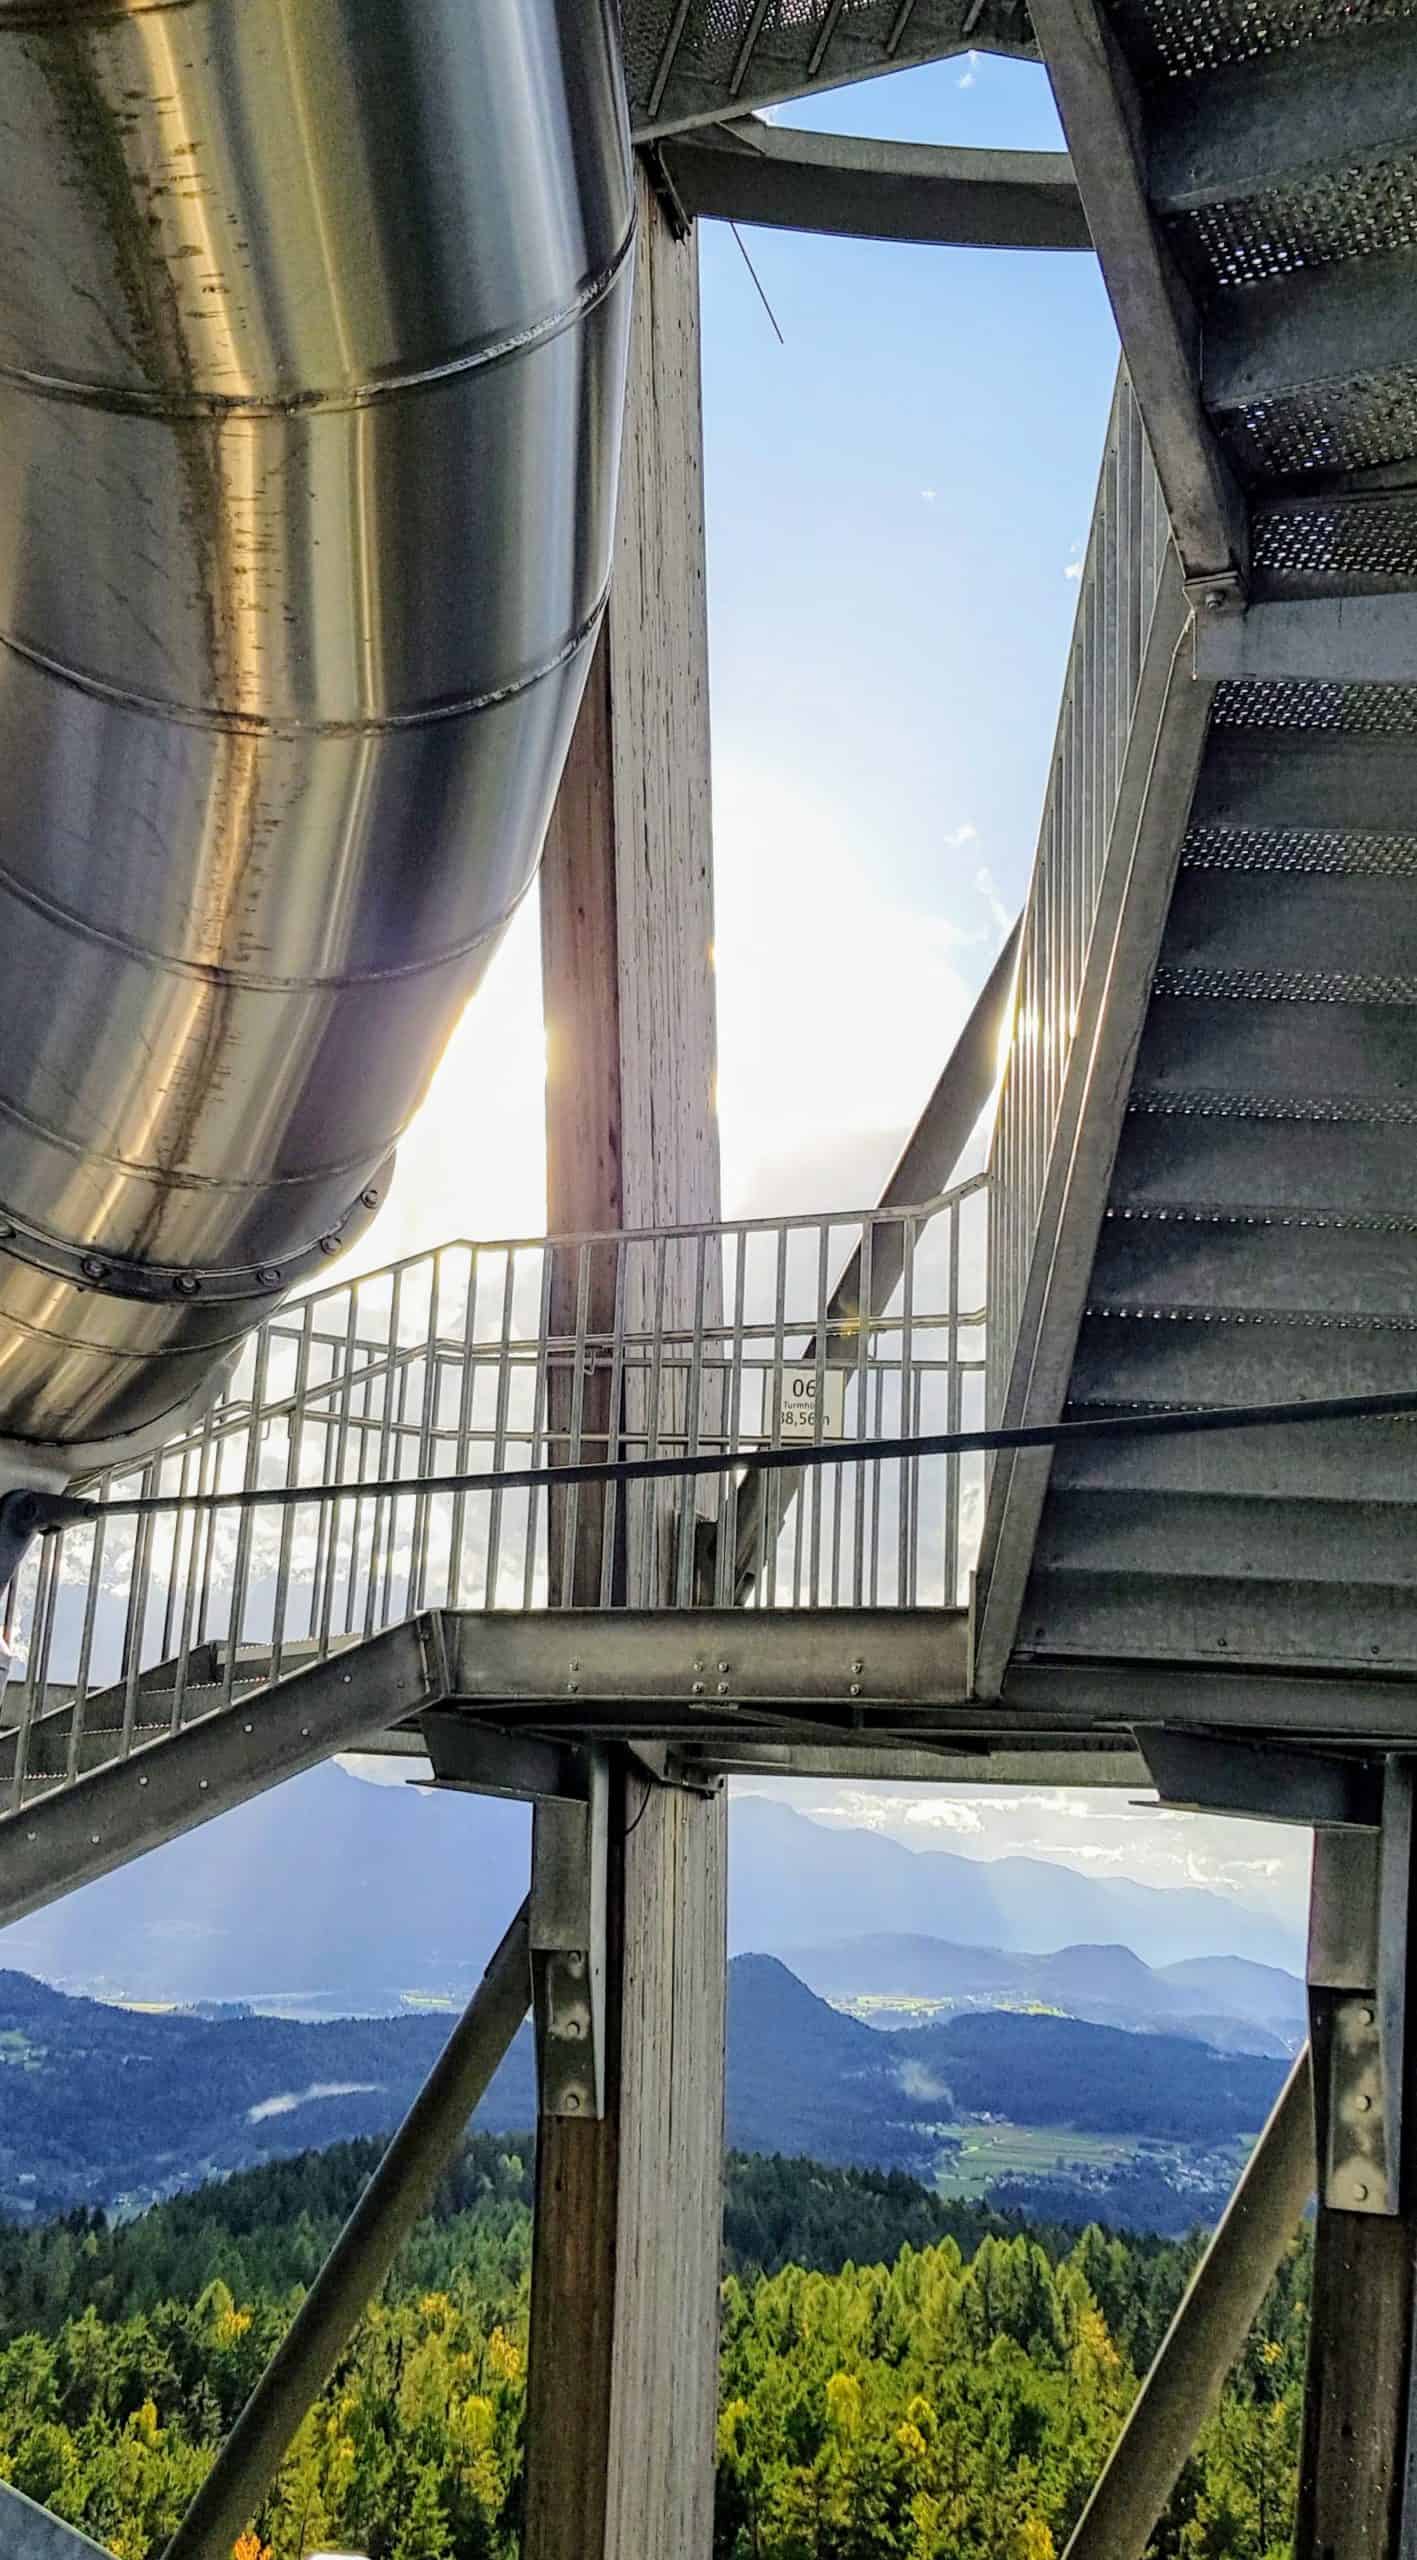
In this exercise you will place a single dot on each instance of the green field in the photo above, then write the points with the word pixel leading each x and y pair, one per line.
pixel 989 2152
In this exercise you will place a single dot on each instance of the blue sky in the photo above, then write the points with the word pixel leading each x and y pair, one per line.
pixel 896 498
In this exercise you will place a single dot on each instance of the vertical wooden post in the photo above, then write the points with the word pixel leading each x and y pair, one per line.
pixel 1358 2465
pixel 624 2332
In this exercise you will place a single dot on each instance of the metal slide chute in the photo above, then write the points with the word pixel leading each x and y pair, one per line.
pixel 313 326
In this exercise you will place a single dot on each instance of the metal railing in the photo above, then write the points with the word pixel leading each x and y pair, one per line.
pixel 1059 985
pixel 520 1355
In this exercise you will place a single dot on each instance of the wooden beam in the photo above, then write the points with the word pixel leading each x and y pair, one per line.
pixel 624 2341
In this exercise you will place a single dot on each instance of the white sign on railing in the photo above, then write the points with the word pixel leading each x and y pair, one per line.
pixel 799 1404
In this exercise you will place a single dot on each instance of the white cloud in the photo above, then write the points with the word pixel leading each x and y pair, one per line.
pixel 290 2099
pixel 1092 1830
pixel 960 836
pixel 970 72
pixel 929 496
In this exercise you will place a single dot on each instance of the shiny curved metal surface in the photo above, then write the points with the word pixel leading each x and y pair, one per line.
pixel 313 326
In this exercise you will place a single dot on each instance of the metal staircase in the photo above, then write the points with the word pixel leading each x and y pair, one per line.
pixel 297 1577
pixel 1232 1218
pixel 1198 1188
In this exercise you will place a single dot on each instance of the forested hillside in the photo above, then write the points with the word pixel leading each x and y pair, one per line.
pixel 902 2379
pixel 1064 2118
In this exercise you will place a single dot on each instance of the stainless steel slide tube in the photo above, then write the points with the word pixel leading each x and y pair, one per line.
pixel 313 326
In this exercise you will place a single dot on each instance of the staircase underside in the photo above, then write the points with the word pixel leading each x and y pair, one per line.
pixel 1259 1241
pixel 690 62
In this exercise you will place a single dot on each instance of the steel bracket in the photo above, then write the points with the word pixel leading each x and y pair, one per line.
pixel 1262 1781
pixel 481 1760
pixel 1357 1969
pixel 1217 591
pixel 569 1859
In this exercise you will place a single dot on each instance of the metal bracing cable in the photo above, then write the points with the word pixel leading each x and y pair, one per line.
pixel 1165 1423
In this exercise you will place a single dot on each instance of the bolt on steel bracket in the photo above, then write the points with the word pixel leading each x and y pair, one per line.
pixel 569 1859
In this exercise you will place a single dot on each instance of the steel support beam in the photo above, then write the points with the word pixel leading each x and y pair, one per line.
pixel 1097 1765
pixel 706 1661
pixel 116 1813
pixel 1298 1706
pixel 922 1170
pixel 1212 2322
pixel 399 2191
pixel 853 188
pixel 1156 319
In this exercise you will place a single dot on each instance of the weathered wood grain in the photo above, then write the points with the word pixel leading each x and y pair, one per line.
pixel 624 2330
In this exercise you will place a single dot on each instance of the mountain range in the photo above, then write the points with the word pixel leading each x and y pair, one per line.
pixel 834 1876
pixel 101 2104
pixel 329 1895
pixel 1225 2001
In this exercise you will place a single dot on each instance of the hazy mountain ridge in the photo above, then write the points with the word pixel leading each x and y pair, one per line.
pixel 346 1896
pixel 1220 2001
pixel 782 1865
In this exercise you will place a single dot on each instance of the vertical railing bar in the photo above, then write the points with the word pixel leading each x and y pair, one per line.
pixel 538 1422
pixel 335 1466
pixel 909 1481
pixel 51 1611
pixel 30 1693
pixel 77 1717
pixel 688 1503
pixel 324 1423
pixel 819 1382
pixel 775 1408
pixel 726 1560
pixel 394 1512
pixel 953 1423
pixel 464 1434
pixel 614 1423
pixel 367 1427
pixel 648 1594
pixel 217 1443
pixel 387 1442
pixel 179 1526
pixel 576 1422
pixel 292 1478
pixel 182 1671
pixel 242 1565
pixel 864 1338
pixel 499 1430
pixel 877 1432
pixel 137 1609
pixel 422 1503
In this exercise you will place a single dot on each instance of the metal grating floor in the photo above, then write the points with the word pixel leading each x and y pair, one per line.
pixel 694 61
pixel 1182 39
